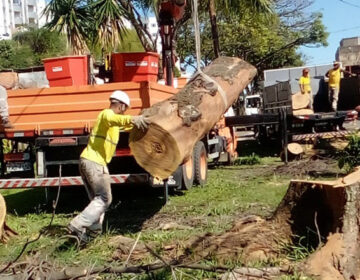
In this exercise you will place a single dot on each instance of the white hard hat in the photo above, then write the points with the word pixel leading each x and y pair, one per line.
pixel 121 96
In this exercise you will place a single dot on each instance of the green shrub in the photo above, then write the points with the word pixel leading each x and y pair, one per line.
pixel 28 48
pixel 350 156
pixel 249 160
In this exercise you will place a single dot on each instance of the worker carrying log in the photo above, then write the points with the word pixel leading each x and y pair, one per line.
pixel 93 163
pixel 305 85
pixel 334 76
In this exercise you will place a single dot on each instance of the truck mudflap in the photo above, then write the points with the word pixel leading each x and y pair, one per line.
pixel 77 181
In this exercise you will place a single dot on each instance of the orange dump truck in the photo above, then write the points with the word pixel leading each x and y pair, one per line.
pixel 52 127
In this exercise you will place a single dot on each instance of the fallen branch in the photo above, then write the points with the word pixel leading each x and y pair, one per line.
pixel 28 242
pixel 132 249
pixel 78 272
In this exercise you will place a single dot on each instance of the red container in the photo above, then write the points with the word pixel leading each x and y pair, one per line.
pixel 135 67
pixel 67 70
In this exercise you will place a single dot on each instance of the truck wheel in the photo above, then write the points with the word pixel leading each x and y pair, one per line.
pixel 188 171
pixel 200 162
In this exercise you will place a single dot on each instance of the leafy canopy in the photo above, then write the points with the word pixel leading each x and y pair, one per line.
pixel 28 48
pixel 267 40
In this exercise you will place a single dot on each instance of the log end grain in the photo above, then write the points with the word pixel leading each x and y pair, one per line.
pixel 300 101
pixel 156 151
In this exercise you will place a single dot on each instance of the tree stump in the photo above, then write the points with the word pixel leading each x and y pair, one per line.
pixel 5 231
pixel 179 122
pixel 325 213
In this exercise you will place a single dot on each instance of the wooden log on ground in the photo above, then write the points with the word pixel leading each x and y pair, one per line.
pixel 294 152
pixel 179 122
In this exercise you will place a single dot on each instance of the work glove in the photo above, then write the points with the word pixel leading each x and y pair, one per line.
pixel 140 122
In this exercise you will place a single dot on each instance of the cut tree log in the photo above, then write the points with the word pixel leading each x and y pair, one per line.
pixel 301 112
pixel 9 80
pixel 5 231
pixel 179 122
pixel 300 101
pixel 294 152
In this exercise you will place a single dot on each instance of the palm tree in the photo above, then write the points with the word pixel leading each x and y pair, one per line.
pixel 72 18
pixel 233 6
pixel 109 23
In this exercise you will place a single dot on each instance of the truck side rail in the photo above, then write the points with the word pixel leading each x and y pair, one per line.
pixel 116 179
pixel 75 107
pixel 257 119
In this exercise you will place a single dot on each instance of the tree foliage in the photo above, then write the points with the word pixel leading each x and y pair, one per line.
pixel 72 18
pixel 28 48
pixel 14 56
pixel 90 24
pixel 267 33
pixel 350 156
pixel 267 40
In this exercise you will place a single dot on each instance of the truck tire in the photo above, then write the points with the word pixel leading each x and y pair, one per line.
pixel 188 171
pixel 200 164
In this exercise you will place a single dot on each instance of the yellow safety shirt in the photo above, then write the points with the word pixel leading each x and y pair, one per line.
pixel 334 78
pixel 105 136
pixel 305 81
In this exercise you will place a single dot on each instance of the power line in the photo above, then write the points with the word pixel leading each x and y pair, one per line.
pixel 349 3
pixel 346 29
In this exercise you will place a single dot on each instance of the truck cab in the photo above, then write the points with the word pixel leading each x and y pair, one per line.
pixel 253 104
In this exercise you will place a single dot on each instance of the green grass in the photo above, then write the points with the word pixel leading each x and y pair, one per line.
pixel 231 193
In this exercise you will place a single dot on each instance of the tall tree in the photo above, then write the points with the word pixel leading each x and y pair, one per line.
pixel 258 38
pixel 233 6
pixel 87 23
pixel 108 15
pixel 72 18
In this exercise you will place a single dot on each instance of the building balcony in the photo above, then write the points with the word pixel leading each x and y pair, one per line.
pixel 17 8
pixel 18 20
pixel 31 2
pixel 32 15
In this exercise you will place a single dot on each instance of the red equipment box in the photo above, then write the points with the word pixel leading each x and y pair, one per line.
pixel 135 67
pixel 67 70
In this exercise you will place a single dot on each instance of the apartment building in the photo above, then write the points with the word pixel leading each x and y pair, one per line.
pixel 16 13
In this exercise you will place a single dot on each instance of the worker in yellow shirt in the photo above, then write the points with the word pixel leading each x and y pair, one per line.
pixel 94 159
pixel 305 85
pixel 334 76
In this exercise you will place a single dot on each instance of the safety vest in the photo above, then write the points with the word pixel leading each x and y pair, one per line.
pixel 334 78
pixel 105 136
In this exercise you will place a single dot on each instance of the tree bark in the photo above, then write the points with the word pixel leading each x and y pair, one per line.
pixel 140 28
pixel 214 28
pixel 179 122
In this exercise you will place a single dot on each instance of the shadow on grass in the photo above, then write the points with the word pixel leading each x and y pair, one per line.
pixel 131 206
pixel 247 148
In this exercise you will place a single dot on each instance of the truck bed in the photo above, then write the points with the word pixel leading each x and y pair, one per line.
pixel 37 111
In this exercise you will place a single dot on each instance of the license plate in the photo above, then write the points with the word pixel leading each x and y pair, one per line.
pixel 18 166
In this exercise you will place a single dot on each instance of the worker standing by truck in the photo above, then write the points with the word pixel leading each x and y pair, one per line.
pixel 334 76
pixel 305 85
pixel 94 159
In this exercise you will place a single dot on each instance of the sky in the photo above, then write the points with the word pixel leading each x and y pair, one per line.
pixel 342 20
